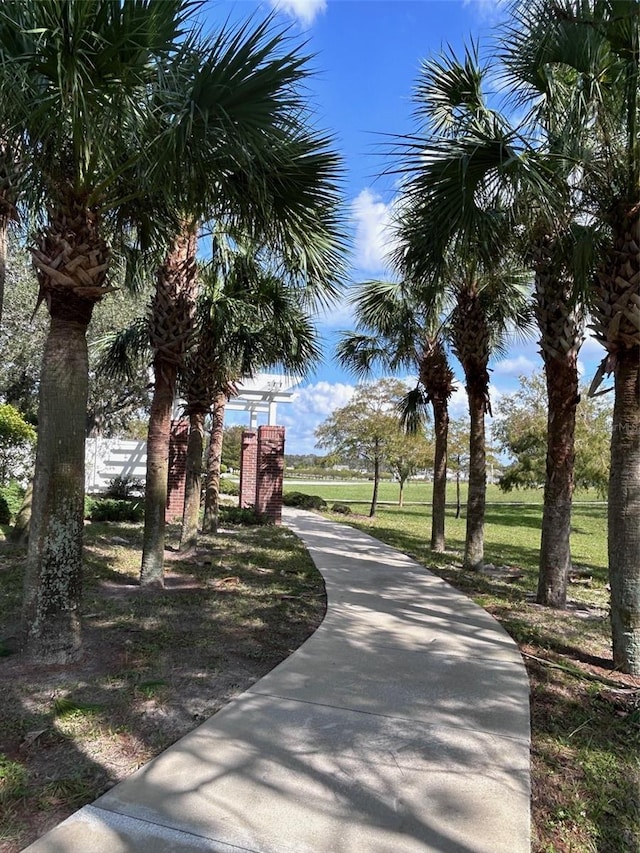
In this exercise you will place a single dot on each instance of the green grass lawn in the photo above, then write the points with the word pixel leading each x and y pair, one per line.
pixel 513 521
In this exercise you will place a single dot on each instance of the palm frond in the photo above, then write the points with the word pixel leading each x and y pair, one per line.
pixel 122 355
pixel 413 410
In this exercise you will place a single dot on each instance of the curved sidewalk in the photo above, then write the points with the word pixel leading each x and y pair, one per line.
pixel 400 726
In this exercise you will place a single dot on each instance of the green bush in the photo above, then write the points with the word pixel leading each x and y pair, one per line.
pixel 343 509
pixel 302 501
pixel 228 487
pixel 240 515
pixel 110 509
pixel 5 512
pixel 124 486
pixel 13 493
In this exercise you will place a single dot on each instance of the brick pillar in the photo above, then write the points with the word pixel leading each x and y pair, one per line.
pixel 248 468
pixel 270 472
pixel 178 442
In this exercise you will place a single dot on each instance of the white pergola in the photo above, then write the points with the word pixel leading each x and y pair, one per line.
pixel 260 394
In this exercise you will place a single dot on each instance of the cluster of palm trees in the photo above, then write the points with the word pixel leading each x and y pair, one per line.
pixel 124 128
pixel 483 199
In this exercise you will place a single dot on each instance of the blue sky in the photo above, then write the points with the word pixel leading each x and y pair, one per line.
pixel 367 58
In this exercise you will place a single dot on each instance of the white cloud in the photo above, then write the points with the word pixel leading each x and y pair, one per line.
pixel 373 241
pixel 518 366
pixel 488 10
pixel 305 11
pixel 322 398
pixel 311 405
pixel 338 315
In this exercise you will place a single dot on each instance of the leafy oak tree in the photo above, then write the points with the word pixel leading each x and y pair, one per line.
pixel 520 427
pixel 366 429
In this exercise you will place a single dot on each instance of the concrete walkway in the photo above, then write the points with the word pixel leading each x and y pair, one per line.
pixel 400 726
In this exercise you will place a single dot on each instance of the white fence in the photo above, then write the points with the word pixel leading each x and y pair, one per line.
pixel 106 458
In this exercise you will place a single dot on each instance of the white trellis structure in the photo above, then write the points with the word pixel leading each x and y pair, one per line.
pixel 107 458
pixel 261 394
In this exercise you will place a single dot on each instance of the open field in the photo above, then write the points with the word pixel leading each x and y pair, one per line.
pixel 585 716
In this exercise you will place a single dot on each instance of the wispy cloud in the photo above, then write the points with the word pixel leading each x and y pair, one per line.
pixel 521 365
pixel 304 11
pixel 488 10
pixel 311 405
pixel 373 239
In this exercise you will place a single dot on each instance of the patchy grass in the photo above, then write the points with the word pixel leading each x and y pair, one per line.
pixel 585 716
pixel 156 663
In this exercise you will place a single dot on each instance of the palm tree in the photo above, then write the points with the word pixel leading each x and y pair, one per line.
pixel 556 104
pixel 69 74
pixel 250 319
pixel 394 332
pixel 598 43
pixel 247 160
pixel 487 187
pixel 480 276
pixel 489 305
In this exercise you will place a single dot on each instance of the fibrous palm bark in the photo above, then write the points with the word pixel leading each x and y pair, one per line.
pixel 437 379
pixel 561 324
pixel 71 261
pixel 171 328
pixel 214 461
pixel 471 340
pixel 617 325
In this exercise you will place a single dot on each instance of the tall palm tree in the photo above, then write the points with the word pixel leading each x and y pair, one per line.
pixel 245 158
pixel 250 319
pixel 556 104
pixel 448 157
pixel 599 44
pixel 70 73
pixel 486 186
pixel 395 332
pixel 489 305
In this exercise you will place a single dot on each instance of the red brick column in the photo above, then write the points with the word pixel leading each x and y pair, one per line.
pixel 248 468
pixel 270 472
pixel 178 442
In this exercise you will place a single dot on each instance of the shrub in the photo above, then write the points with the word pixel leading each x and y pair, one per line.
pixel 5 512
pixel 343 509
pixel 124 486
pixel 228 487
pixel 302 501
pixel 13 779
pixel 110 509
pixel 13 494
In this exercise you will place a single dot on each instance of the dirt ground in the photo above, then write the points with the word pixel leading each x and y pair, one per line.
pixel 155 665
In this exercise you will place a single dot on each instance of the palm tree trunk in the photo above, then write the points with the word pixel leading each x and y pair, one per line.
pixel 439 499
pixel 53 576
pixel 4 227
pixel 376 483
pixel 624 510
pixel 555 549
pixel 476 500
pixel 561 324
pixel 170 330
pixel 155 504
pixel 214 460
pixel 193 482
